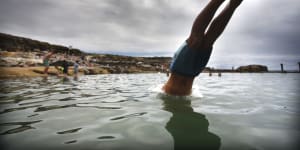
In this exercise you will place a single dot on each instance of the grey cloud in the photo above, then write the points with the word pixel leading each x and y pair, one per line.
pixel 262 28
pixel 141 24
pixel 258 28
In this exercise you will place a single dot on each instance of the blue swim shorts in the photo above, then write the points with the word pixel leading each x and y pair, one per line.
pixel 46 62
pixel 189 62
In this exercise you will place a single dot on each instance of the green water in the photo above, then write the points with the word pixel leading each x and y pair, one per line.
pixel 235 111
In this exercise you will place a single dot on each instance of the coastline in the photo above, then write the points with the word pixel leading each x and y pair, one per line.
pixel 19 72
pixel 23 57
pixel 37 71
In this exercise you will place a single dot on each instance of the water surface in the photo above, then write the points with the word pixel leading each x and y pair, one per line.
pixel 235 111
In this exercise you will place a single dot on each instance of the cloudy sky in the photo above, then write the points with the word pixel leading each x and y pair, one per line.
pixel 261 31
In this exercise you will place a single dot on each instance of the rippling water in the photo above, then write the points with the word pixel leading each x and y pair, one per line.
pixel 235 111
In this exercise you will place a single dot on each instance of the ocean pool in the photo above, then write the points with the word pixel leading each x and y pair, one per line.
pixel 128 111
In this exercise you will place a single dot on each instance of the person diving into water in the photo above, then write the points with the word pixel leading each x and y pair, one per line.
pixel 191 58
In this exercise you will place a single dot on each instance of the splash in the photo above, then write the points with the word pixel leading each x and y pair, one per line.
pixel 195 91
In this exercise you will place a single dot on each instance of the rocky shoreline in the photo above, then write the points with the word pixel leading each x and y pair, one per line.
pixel 30 64
pixel 23 57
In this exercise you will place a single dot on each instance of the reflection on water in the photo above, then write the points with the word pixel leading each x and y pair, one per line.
pixel 22 126
pixel 69 131
pixel 188 128
pixel 236 111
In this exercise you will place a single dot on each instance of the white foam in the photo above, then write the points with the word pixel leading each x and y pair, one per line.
pixel 157 88
pixel 195 90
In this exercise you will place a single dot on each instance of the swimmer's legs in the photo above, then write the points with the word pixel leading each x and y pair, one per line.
pixel 201 23
pixel 219 23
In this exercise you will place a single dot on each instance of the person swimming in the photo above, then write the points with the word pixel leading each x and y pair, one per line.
pixel 193 55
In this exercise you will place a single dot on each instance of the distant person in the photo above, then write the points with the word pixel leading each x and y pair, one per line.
pixel 63 66
pixel 76 67
pixel 46 61
pixel 219 74
pixel 192 57
pixel 168 72
pixel 82 57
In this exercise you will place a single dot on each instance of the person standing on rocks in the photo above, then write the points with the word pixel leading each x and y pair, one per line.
pixel 192 57
pixel 63 65
pixel 76 67
pixel 46 61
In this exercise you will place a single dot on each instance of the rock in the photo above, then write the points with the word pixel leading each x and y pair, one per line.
pixel 95 71
pixel 253 68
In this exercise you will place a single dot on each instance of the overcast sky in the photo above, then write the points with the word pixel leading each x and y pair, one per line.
pixel 261 31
